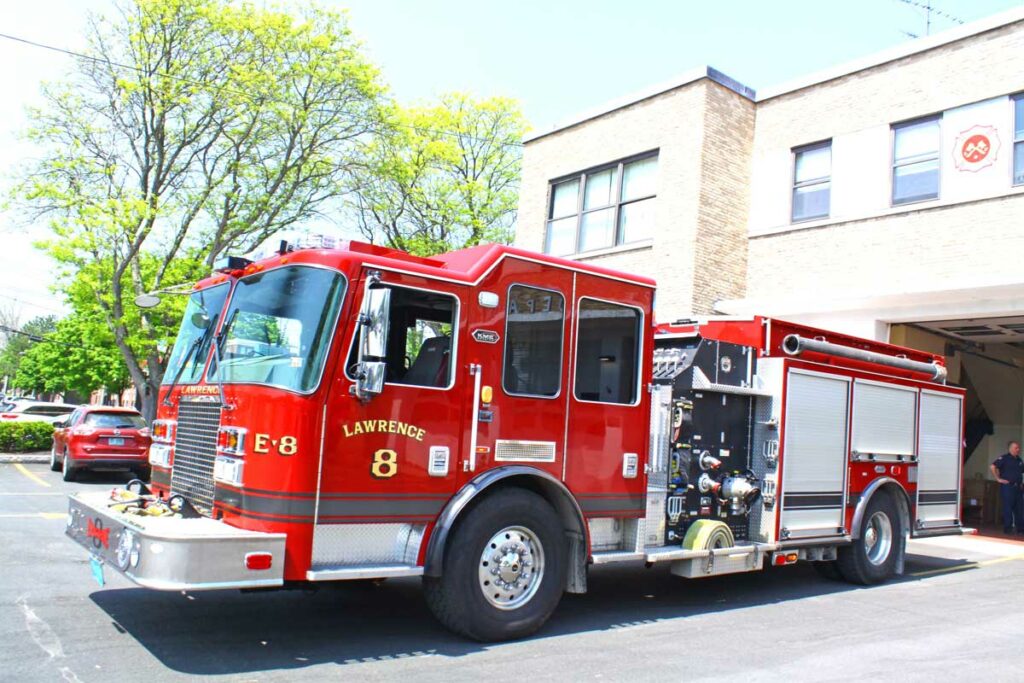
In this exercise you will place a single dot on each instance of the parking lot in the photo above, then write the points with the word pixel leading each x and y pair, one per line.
pixel 956 613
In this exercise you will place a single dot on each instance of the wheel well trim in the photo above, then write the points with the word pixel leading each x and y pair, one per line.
pixel 434 558
pixel 902 504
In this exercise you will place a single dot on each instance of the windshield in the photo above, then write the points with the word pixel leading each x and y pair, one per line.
pixel 115 420
pixel 278 327
pixel 211 302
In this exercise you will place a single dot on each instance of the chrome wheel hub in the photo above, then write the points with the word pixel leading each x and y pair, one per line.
pixel 511 567
pixel 878 538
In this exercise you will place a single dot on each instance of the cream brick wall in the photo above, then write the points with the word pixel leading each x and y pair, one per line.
pixel 912 248
pixel 691 255
pixel 959 246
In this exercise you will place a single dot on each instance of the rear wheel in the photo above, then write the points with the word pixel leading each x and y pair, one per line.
pixel 504 569
pixel 67 469
pixel 872 558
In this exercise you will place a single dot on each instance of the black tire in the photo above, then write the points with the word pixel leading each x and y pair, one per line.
pixel 54 462
pixel 865 561
pixel 827 569
pixel 142 473
pixel 457 597
pixel 69 471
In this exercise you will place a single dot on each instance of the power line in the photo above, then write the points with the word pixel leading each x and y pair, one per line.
pixel 30 303
pixel 34 337
pixel 244 95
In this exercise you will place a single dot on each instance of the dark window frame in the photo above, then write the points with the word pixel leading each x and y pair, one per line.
pixel 1016 175
pixel 452 353
pixel 616 202
pixel 637 361
pixel 800 184
pixel 561 336
pixel 896 164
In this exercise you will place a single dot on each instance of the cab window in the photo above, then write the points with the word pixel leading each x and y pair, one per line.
pixel 534 324
pixel 607 352
pixel 421 338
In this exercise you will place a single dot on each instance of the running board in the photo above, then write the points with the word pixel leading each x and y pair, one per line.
pixel 363 571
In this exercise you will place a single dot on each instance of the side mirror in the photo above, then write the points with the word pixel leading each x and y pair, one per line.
pixel 374 322
pixel 200 320
pixel 60 424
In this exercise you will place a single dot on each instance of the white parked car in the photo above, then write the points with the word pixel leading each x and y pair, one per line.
pixel 23 410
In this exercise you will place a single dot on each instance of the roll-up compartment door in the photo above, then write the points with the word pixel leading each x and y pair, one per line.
pixel 884 417
pixel 938 487
pixel 814 455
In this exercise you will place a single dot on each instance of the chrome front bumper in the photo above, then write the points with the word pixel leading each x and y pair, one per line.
pixel 169 553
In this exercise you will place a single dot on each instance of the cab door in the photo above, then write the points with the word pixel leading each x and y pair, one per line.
pixel 609 406
pixel 519 343
pixel 390 460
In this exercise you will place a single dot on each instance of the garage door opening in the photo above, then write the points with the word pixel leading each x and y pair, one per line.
pixel 986 357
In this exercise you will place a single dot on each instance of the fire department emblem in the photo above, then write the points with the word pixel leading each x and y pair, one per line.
pixel 976 148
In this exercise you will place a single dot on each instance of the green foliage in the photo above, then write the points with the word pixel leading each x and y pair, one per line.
pixel 443 176
pixel 18 344
pixel 20 437
pixel 230 123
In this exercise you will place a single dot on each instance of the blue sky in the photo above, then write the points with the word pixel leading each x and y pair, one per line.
pixel 558 57
pixel 561 57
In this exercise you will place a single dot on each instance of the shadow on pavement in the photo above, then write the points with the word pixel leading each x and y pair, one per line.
pixel 229 632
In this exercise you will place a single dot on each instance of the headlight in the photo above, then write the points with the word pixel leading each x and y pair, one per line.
pixel 160 455
pixel 228 470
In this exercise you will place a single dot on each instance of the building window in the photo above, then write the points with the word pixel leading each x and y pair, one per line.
pixel 602 207
pixel 812 181
pixel 607 352
pixel 533 342
pixel 1018 139
pixel 915 161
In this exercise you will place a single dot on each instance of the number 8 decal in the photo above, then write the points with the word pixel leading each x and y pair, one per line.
pixel 385 464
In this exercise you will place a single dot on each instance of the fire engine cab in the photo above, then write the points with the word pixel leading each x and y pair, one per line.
pixel 496 421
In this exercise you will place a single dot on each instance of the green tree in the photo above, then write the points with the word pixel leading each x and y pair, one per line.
pixel 443 176
pixel 194 127
pixel 20 341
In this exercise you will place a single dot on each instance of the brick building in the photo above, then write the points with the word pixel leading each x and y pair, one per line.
pixel 884 198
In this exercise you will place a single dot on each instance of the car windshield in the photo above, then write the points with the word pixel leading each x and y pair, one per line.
pixel 115 420
pixel 278 327
pixel 195 331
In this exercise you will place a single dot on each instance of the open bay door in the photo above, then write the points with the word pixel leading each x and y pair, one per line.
pixel 939 441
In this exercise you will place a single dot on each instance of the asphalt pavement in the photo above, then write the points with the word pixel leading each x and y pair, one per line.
pixel 956 614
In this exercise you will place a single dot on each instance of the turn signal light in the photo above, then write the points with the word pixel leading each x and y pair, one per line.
pixel 163 431
pixel 258 561
pixel 231 440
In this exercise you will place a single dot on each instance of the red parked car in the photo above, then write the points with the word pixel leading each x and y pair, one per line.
pixel 101 438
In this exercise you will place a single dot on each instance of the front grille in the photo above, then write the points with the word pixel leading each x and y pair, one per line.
pixel 195 448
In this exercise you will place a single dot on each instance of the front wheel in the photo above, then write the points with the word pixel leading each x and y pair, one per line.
pixel 54 462
pixel 504 568
pixel 873 557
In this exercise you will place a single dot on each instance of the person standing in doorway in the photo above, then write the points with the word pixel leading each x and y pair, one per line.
pixel 1008 470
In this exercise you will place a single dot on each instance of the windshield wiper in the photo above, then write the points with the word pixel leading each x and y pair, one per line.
pixel 181 368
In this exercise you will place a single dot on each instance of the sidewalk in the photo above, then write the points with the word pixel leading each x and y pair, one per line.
pixel 32 456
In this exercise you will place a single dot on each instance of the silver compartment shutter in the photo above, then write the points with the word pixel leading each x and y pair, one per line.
pixel 938 486
pixel 814 455
pixel 883 419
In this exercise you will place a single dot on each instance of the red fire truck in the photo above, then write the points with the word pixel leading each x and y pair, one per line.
pixel 496 421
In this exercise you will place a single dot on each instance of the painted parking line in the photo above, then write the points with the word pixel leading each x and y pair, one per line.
pixel 24 470
pixel 34 515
